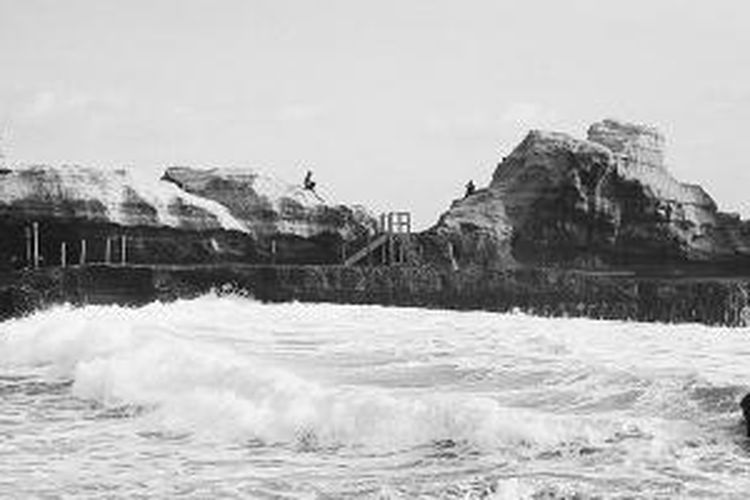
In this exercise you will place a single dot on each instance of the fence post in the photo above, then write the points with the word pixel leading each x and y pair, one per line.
pixel 108 250
pixel 29 258
pixel 35 231
pixel 124 249
pixel 82 257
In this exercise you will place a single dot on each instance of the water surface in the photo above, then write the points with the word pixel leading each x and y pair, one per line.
pixel 225 397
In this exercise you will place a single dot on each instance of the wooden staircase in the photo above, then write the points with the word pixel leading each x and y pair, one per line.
pixel 369 248
pixel 392 244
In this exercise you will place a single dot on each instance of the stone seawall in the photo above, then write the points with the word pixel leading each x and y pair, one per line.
pixel 710 301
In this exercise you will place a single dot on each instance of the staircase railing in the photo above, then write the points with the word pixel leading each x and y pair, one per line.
pixel 393 240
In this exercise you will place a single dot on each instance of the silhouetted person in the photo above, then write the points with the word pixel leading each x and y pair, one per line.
pixel 745 405
pixel 309 183
pixel 470 188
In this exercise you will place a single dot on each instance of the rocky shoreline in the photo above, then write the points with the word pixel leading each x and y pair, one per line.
pixel 593 227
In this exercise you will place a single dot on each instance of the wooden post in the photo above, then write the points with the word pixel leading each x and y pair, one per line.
pixel 35 235
pixel 391 240
pixel 108 250
pixel 82 257
pixel 63 254
pixel 123 249
pixel 29 258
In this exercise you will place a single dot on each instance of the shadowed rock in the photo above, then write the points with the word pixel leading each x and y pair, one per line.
pixel 745 405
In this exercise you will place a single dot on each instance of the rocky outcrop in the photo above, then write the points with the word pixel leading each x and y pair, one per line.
pixel 608 200
pixel 121 197
pixel 189 216
pixel 268 206
pixel 475 230
pixel 636 145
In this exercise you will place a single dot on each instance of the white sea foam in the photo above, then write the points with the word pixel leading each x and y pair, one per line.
pixel 532 396
pixel 117 359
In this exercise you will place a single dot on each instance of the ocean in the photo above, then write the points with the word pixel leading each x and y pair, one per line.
pixel 227 397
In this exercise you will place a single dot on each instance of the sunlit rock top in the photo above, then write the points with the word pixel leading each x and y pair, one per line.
pixel 269 205
pixel 186 198
pixel 123 197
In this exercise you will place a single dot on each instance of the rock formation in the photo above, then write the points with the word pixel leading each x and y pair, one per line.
pixel 608 200
pixel 188 216
pixel 121 197
pixel 267 206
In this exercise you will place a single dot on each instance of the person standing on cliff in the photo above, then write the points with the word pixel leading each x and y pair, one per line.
pixel 309 184
pixel 470 188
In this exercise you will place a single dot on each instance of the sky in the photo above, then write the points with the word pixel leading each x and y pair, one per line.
pixel 394 104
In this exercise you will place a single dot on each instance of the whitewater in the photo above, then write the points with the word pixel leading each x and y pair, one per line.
pixel 227 397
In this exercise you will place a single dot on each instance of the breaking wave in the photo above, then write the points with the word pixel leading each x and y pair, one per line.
pixel 352 379
pixel 116 359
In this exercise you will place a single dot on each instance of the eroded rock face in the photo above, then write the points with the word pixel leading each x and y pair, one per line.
pixel 268 206
pixel 475 229
pixel 71 193
pixel 606 200
pixel 635 145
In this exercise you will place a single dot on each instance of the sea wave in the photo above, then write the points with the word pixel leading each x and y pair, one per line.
pixel 118 357
pixel 540 399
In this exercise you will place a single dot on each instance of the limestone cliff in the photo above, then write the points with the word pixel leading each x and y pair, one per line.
pixel 606 200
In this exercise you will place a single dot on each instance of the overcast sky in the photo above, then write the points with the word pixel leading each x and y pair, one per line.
pixel 393 103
